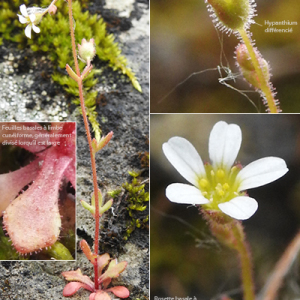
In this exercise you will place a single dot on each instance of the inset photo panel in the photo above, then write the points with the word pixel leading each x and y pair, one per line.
pixel 38 185
pixel 218 56
pixel 225 206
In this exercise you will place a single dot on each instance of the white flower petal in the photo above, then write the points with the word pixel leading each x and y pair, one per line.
pixel 261 172
pixel 32 18
pixel 28 31
pixel 224 144
pixel 185 159
pixel 185 194
pixel 23 10
pixel 240 208
pixel 22 19
pixel 36 29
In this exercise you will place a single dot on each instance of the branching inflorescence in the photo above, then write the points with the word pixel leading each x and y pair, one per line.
pixel 236 16
pixel 104 268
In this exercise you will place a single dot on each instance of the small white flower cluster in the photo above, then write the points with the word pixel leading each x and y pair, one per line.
pixel 30 16
pixel 219 186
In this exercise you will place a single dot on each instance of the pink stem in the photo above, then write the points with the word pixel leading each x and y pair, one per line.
pixel 88 134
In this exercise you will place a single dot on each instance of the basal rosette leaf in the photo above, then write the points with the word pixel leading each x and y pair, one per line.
pixel 78 276
pixel 102 262
pixel 87 251
pixel 100 295
pixel 119 291
pixel 72 287
pixel 114 270
pixel 11 183
pixel 32 220
pixel 66 145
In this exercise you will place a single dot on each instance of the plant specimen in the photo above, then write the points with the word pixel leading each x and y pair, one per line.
pixel 219 188
pixel 236 16
pixel 32 220
pixel 102 277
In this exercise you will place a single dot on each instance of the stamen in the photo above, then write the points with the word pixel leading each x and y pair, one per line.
pixel 226 186
pixel 220 173
pixel 203 183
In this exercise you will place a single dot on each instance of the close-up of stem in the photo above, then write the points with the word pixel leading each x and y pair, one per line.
pixel 271 102
pixel 243 250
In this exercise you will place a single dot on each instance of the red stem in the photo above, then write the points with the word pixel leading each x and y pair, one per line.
pixel 89 138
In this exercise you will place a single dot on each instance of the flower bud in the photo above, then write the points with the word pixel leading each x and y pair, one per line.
pixel 52 9
pixel 87 51
pixel 247 67
pixel 231 15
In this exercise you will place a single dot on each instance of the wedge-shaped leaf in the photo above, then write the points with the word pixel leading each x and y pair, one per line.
pixel 32 220
pixel 98 145
pixel 105 283
pixel 72 287
pixel 105 207
pixel 114 270
pixel 100 295
pixel 87 251
pixel 102 262
pixel 11 183
pixel 119 291
pixel 92 296
pixel 77 276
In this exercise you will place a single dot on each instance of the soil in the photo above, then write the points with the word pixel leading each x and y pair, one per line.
pixel 28 94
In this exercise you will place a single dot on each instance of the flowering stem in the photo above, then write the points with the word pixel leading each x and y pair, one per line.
pixel 246 265
pixel 265 86
pixel 231 233
pixel 73 38
pixel 88 134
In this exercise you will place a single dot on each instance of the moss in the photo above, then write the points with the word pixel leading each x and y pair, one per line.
pixel 7 251
pixel 54 39
pixel 137 199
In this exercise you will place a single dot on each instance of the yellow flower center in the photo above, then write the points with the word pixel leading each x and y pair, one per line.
pixel 219 185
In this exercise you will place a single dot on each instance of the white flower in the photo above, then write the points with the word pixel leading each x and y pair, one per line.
pixel 220 185
pixel 30 16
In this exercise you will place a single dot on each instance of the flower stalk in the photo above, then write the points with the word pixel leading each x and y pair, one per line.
pixel 88 134
pixel 265 87
pixel 246 263
pixel 236 16
pixel 231 233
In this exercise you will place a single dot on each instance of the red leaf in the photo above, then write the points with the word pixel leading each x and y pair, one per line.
pixel 32 220
pixel 105 282
pixel 77 276
pixel 100 295
pixel 102 261
pixel 72 287
pixel 114 270
pixel 11 183
pixel 119 291
pixel 87 251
